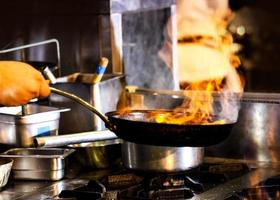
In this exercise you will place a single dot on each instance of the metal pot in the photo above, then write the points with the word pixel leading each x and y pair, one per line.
pixel 160 158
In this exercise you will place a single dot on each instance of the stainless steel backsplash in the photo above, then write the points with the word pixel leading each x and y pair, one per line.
pixel 256 134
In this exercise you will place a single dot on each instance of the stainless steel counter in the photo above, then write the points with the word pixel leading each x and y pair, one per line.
pixel 263 171
pixel 35 190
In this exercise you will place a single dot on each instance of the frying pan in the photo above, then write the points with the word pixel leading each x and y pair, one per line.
pixel 134 127
pixel 137 129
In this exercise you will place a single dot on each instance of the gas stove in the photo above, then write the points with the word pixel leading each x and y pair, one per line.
pixel 183 185
pixel 229 181
pixel 215 178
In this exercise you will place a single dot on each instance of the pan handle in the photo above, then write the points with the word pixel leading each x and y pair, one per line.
pixel 76 138
pixel 85 104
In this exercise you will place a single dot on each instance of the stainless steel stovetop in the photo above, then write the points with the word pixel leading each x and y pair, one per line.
pixel 231 188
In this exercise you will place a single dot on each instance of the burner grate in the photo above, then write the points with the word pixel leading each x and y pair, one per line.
pixel 177 193
pixel 183 185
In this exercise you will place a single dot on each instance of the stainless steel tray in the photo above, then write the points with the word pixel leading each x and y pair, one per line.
pixel 18 130
pixel 38 164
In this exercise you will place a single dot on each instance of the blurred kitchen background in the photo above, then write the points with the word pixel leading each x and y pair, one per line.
pixel 255 28
pixel 130 34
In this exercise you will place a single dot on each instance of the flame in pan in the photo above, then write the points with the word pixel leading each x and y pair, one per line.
pixel 207 66
pixel 197 108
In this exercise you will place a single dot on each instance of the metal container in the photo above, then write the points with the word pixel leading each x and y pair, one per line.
pixel 18 129
pixel 160 159
pixel 38 164
pixel 5 169
pixel 98 155
pixel 81 119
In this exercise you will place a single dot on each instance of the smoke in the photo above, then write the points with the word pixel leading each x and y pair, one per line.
pixel 226 106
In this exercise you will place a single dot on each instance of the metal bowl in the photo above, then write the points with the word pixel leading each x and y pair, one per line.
pixel 98 155
pixel 5 169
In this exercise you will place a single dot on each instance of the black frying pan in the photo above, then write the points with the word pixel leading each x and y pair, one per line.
pixel 135 127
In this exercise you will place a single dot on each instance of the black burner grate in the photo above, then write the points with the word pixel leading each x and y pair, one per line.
pixel 183 185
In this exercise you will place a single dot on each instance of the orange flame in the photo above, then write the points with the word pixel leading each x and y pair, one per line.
pixel 197 109
pixel 207 65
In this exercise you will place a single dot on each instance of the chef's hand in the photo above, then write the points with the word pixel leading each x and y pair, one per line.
pixel 20 82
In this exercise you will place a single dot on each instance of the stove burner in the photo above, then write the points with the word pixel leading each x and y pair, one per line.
pixel 183 185
pixel 175 181
pixel 120 181
pixel 177 193
pixel 93 190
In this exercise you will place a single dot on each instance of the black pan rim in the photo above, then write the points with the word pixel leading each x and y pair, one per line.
pixel 115 115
